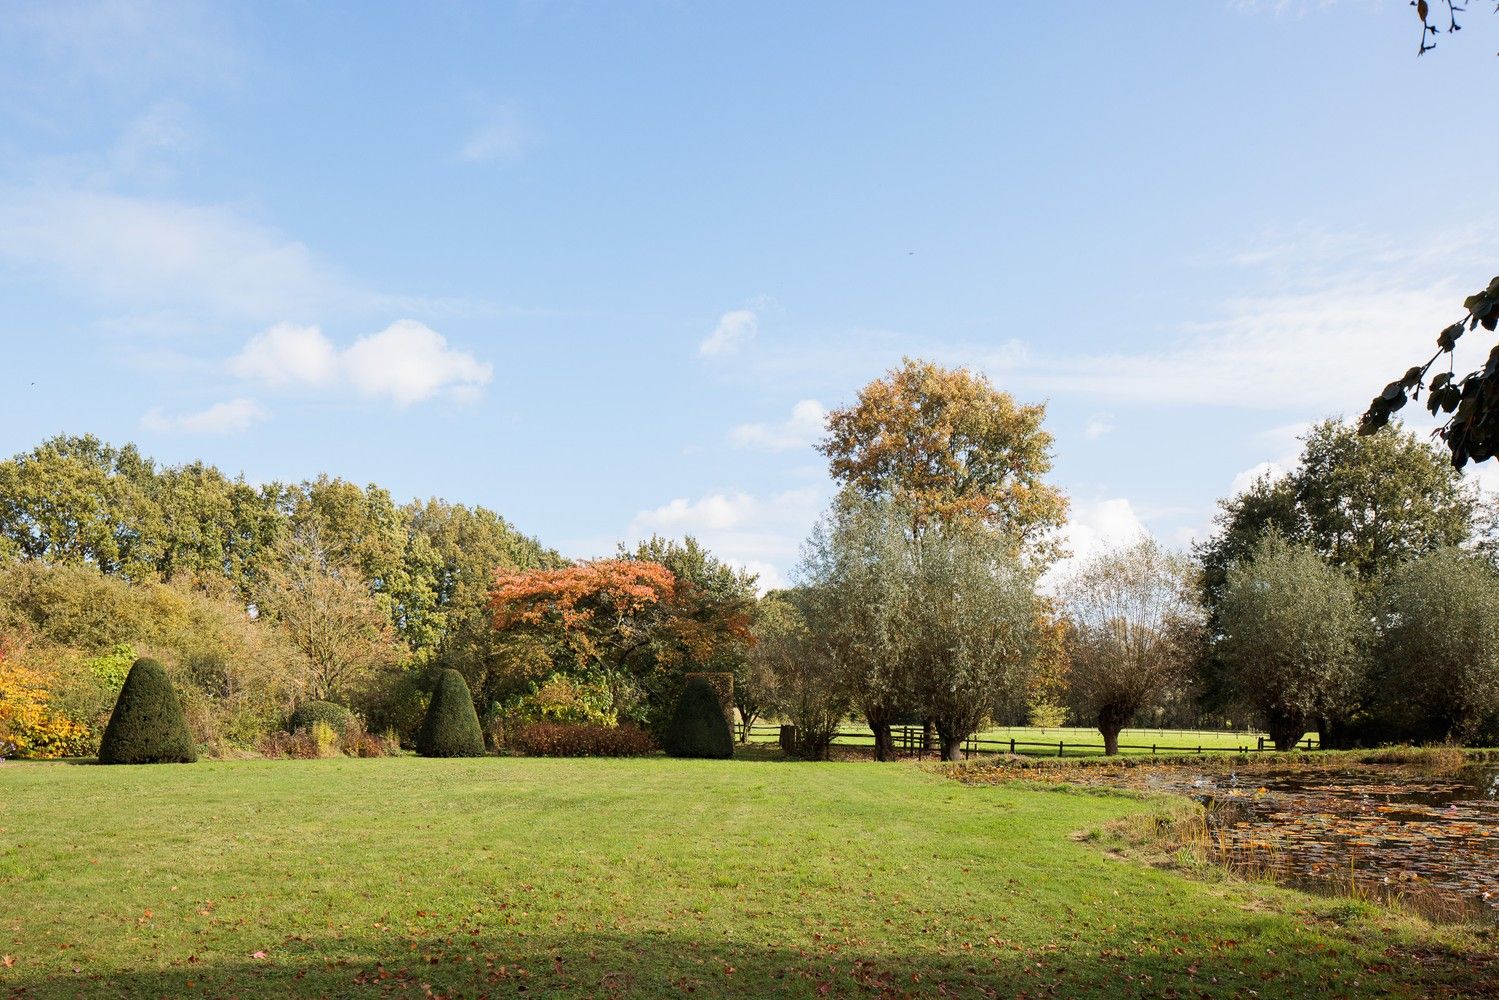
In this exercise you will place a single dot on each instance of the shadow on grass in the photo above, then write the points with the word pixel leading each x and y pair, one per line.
pixel 461 962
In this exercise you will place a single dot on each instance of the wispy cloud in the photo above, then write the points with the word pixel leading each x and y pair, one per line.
pixel 1098 425
pixel 221 418
pixel 807 423
pixel 160 255
pixel 734 328
pixel 125 41
pixel 1336 317
pixel 503 135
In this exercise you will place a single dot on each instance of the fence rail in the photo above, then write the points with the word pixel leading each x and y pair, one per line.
pixel 911 741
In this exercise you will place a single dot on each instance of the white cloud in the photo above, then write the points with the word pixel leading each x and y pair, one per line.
pixel 733 329
pixel 1098 425
pixel 1093 527
pixel 1284 445
pixel 1261 470
pixel 808 421
pixel 407 362
pixel 220 418
pixel 288 354
pixel 503 137
pixel 759 533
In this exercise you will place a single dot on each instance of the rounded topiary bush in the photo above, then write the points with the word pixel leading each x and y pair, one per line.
pixel 309 713
pixel 452 725
pixel 698 728
pixel 147 726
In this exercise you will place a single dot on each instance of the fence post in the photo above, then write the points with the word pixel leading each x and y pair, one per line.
pixel 1012 746
pixel 1059 748
pixel 1262 745
pixel 1152 749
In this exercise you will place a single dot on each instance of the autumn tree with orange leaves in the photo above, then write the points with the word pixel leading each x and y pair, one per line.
pixel 949 446
pixel 631 621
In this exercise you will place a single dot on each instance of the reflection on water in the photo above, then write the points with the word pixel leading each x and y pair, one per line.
pixel 1391 831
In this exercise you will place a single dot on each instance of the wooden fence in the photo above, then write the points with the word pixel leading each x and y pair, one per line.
pixel 910 741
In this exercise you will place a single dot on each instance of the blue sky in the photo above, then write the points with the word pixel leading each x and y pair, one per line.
pixel 602 267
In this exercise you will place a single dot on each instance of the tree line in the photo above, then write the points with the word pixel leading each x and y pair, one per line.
pixel 1355 596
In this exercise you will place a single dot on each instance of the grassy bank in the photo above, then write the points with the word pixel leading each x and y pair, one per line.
pixel 648 877
pixel 1003 769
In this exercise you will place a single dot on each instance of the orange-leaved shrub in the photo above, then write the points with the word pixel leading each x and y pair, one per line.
pixel 29 725
pixel 554 739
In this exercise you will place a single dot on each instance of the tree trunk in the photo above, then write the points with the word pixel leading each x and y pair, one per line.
pixel 1111 720
pixel 1110 739
pixel 1286 733
pixel 884 745
pixel 928 734
pixel 952 741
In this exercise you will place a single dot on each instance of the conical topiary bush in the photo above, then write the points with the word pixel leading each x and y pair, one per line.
pixel 698 728
pixel 452 725
pixel 147 726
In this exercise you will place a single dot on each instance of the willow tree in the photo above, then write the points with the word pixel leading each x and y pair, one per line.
pixel 1294 637
pixel 1133 626
pixel 1437 669
pixel 938 623
pixel 966 629
pixel 853 568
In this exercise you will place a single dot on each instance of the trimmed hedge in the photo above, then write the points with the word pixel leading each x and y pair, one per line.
pixel 146 726
pixel 452 726
pixel 699 727
pixel 722 683
pixel 309 712
pixel 554 739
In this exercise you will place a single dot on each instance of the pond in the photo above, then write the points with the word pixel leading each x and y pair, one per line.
pixel 1394 833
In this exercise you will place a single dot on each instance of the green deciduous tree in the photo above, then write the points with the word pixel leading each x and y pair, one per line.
pixel 1437 669
pixel 1365 504
pixel 773 626
pixel 1294 637
pixel 811 693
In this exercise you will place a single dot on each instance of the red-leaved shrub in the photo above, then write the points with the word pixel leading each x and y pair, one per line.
pixel 552 739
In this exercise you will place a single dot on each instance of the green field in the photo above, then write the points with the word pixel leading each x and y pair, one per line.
pixel 648 877
pixel 1076 741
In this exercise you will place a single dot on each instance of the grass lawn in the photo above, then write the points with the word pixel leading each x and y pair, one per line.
pixel 651 877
